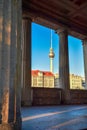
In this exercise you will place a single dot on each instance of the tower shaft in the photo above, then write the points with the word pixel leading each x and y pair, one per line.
pixel 51 55
pixel 51 65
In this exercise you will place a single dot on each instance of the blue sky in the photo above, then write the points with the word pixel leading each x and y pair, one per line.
pixel 41 46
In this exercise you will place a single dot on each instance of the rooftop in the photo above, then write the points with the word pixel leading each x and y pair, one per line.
pixel 45 73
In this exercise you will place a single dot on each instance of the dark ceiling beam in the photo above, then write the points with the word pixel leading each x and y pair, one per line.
pixel 42 13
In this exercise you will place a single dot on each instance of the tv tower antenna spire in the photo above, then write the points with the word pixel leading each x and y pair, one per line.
pixel 51 55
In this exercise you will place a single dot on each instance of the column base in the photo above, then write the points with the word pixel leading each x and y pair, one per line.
pixel 26 98
pixel 9 126
pixel 65 97
pixel 26 103
pixel 18 125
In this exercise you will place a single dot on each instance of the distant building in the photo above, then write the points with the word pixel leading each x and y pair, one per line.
pixel 42 79
pixel 50 80
pixel 56 81
pixel 76 82
pixel 83 82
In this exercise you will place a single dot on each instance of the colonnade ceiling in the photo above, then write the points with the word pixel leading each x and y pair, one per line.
pixel 70 14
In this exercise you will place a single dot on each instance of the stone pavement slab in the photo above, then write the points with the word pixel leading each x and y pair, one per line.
pixel 65 117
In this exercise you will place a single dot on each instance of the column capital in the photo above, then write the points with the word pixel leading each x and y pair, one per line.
pixel 84 41
pixel 27 18
pixel 62 30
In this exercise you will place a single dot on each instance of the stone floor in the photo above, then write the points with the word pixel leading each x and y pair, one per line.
pixel 69 117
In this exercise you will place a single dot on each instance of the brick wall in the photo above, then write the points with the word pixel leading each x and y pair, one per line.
pixel 78 96
pixel 52 96
pixel 46 96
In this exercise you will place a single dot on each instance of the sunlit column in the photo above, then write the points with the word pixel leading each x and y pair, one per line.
pixel 10 64
pixel 1 28
pixel 64 64
pixel 85 60
pixel 26 90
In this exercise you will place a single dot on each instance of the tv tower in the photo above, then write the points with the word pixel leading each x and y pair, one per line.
pixel 51 55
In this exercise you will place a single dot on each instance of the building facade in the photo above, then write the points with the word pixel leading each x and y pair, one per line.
pixel 50 80
pixel 42 79
pixel 56 81
pixel 76 81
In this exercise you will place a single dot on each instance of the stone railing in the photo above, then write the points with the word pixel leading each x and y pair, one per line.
pixel 52 96
pixel 78 96
pixel 46 96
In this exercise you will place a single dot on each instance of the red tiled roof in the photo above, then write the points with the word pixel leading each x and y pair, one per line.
pixel 34 72
pixel 46 73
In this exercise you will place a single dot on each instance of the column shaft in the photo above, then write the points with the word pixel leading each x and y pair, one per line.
pixel 17 119
pixel 26 91
pixel 85 60
pixel 9 41
pixel 1 28
pixel 64 65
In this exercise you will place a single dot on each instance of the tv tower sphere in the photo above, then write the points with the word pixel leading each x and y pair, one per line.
pixel 51 53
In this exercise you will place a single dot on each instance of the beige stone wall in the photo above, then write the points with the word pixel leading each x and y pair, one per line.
pixel 49 81
pixel 76 82
pixel 43 81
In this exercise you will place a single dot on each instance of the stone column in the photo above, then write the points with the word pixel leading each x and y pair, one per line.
pixel 17 84
pixel 1 28
pixel 64 65
pixel 85 60
pixel 26 90
pixel 10 40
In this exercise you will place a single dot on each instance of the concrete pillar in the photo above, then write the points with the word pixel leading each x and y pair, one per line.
pixel 10 41
pixel 85 60
pixel 26 90
pixel 64 65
